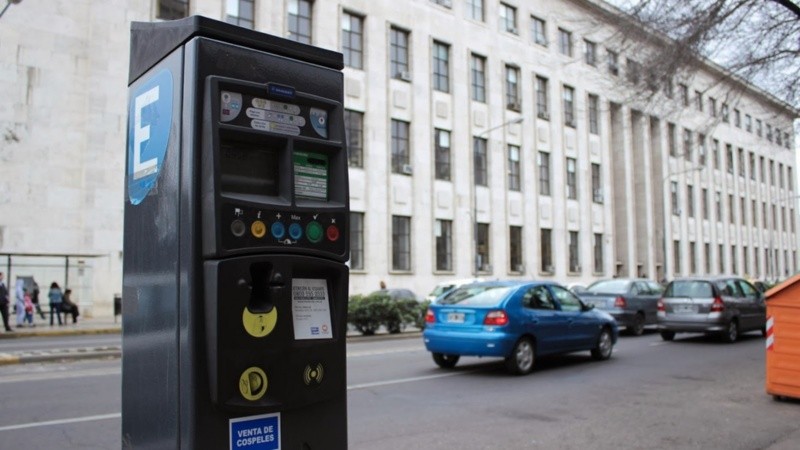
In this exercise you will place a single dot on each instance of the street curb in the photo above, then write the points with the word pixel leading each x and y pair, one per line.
pixel 64 332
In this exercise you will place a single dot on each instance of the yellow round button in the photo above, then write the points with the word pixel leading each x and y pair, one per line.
pixel 258 228
pixel 253 383
pixel 259 324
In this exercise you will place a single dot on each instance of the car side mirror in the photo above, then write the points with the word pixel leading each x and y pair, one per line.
pixel 587 307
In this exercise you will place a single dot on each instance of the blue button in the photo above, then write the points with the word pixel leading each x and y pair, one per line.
pixel 295 231
pixel 278 230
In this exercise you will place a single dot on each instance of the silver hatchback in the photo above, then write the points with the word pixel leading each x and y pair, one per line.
pixel 726 306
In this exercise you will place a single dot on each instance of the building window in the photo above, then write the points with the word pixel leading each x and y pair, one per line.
pixel 668 88
pixel 441 67
pixel 597 186
pixel 483 262
pixel 514 183
pixel 690 200
pixel 445 3
pixel 633 72
pixel 741 162
pixel 353 40
pixel 300 21
pixel 574 255
pixel 737 118
pixel 479 161
pixel 542 111
pixel 400 147
pixel 721 258
pixel 724 112
pixel 718 205
pixel 743 211
pixel 598 253
pixel 442 156
pixel 594 114
pixel 693 258
pixel 508 18
pixel 701 145
pixel 684 91
pixel 240 12
pixel 687 144
pixel 780 175
pixel 569 106
pixel 748 126
pixel 674 198
pixel 704 200
pixel 707 251
pixel 698 99
pixel 512 88
pixel 752 166
pixel 733 259
pixel 564 42
pixel 443 229
pixel 729 158
pixel 769 132
pixel 778 137
pixel 763 169
pixel 515 249
pixel 754 212
pixel 590 52
pixel 572 179
pixel 478 69
pixel 354 133
pixel 398 54
pixel 712 106
pixel 772 173
pixel 172 9
pixel 543 161
pixel 731 212
pixel 758 127
pixel 356 241
pixel 401 243
pixel 672 140
pixel 474 10
pixel 539 30
pixel 612 59
pixel 546 242
pixel 676 255
pixel 715 153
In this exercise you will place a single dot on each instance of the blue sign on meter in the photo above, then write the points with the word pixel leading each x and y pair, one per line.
pixel 256 432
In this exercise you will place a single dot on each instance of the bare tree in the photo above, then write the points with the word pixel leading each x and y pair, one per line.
pixel 751 41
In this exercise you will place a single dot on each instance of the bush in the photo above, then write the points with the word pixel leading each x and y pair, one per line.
pixel 368 313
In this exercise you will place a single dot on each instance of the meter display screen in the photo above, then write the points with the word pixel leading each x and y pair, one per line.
pixel 248 169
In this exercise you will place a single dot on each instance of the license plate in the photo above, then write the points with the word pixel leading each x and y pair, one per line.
pixel 455 317
pixel 684 309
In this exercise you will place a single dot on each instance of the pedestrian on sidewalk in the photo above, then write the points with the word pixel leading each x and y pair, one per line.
pixel 35 300
pixel 28 302
pixel 70 307
pixel 56 299
pixel 4 302
pixel 19 291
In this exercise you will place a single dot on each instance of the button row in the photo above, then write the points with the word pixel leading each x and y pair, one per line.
pixel 314 231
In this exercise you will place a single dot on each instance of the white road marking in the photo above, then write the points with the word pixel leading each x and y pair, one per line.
pixel 59 375
pixel 356 354
pixel 407 380
pixel 61 422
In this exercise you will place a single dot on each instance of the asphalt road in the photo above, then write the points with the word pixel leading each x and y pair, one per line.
pixel 691 393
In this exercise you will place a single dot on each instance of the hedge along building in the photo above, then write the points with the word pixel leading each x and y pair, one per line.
pixel 486 138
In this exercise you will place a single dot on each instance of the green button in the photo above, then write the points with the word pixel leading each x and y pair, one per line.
pixel 314 231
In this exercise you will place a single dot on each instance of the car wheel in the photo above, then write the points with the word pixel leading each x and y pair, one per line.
pixel 667 335
pixel 637 329
pixel 731 332
pixel 522 357
pixel 445 361
pixel 605 345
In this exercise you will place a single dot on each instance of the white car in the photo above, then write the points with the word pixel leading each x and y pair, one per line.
pixel 447 286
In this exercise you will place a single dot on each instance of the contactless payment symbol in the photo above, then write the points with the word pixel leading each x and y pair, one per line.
pixel 253 383
pixel 312 375
pixel 149 123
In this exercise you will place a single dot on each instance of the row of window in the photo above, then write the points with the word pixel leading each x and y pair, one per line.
pixel 771 259
pixel 443 234
pixel 704 199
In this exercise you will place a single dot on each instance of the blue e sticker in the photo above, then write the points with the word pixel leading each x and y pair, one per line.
pixel 149 123
pixel 256 432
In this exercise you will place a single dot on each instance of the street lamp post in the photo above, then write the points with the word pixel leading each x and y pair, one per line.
pixel 666 212
pixel 477 262
pixel 8 3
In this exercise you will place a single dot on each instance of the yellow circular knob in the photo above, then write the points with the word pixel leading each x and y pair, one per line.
pixel 258 228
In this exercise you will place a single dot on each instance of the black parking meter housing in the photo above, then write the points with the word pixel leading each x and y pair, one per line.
pixel 236 237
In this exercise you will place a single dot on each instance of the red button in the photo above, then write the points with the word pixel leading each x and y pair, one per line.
pixel 333 233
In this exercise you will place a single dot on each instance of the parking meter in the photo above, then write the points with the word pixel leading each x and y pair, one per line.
pixel 236 236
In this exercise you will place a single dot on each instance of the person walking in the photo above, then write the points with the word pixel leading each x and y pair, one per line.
pixel 4 302
pixel 28 307
pixel 70 307
pixel 56 299
pixel 35 299
pixel 19 292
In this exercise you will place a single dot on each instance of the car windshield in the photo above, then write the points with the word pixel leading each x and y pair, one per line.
pixel 441 289
pixel 477 295
pixel 689 288
pixel 609 287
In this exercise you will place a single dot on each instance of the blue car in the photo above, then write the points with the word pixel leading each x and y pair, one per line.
pixel 518 321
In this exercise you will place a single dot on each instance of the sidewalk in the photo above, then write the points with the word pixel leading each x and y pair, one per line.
pixel 107 325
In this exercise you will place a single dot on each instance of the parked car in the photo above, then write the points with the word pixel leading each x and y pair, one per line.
pixel 576 288
pixel 447 286
pixel 726 306
pixel 633 302
pixel 515 320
